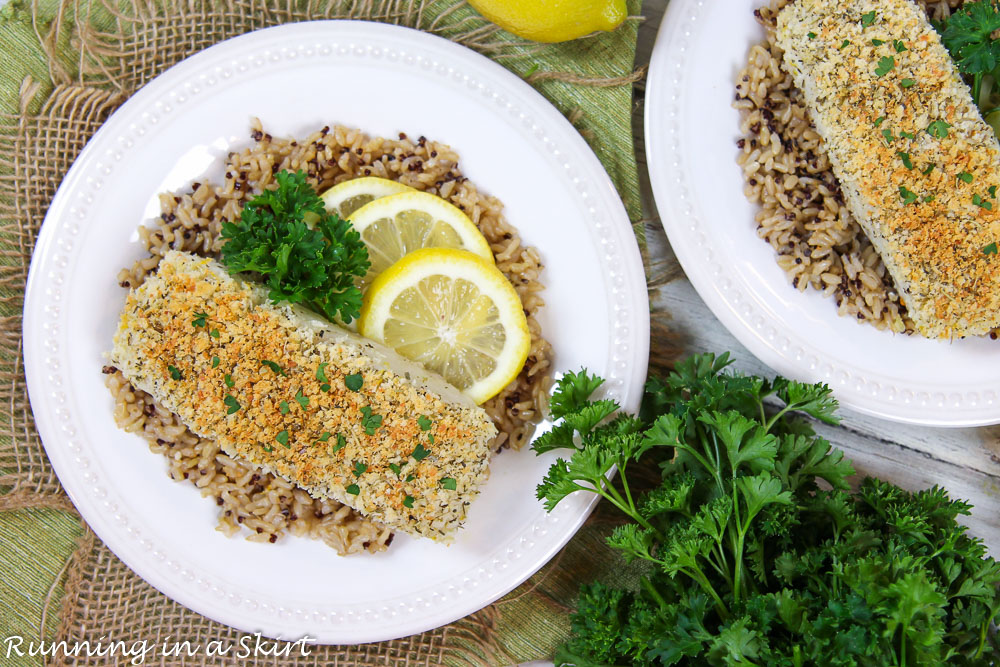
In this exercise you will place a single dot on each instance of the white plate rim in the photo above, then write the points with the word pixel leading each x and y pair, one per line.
pixel 736 303
pixel 52 262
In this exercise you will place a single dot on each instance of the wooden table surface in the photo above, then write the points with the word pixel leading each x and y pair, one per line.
pixel 966 461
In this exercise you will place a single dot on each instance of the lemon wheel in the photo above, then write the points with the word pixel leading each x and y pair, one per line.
pixel 347 197
pixel 453 312
pixel 396 225
pixel 553 20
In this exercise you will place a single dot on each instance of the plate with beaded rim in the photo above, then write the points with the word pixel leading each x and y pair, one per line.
pixel 691 134
pixel 513 144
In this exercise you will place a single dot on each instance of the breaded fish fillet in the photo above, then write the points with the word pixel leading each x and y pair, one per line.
pixel 334 413
pixel 917 164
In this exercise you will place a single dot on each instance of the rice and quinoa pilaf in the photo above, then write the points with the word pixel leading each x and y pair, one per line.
pixel 265 505
pixel 817 241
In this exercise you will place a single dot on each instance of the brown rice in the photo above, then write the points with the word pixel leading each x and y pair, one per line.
pixel 267 506
pixel 802 214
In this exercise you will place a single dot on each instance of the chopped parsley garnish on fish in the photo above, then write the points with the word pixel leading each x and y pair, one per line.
pixel 907 135
pixel 324 436
pixel 283 406
pixel 174 373
pixel 430 438
pixel 420 452
pixel 273 366
pixel 993 191
pixel 408 502
pixel 410 478
pixel 991 249
pixel 938 129
pixel 965 176
pixel 449 483
pixel 369 421
pixel 845 44
pixel 215 362
pixel 321 374
pixel 907 83
pixel 228 380
pixel 341 442
pixel 359 468
pixel 899 46
pixel 885 65
pixel 214 333
pixel 282 438
pixel 199 320
pixel 233 405
pixel 302 399
pixel 268 448
pixel 879 120
pixel 354 381
pixel 905 157
pixel 877 42
pixel 353 489
pixel 982 203
pixel 928 199
pixel 424 422
pixel 396 468
pixel 868 19
pixel 929 169
pixel 907 196
pixel 888 136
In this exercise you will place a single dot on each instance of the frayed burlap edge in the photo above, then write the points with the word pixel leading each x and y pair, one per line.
pixel 118 47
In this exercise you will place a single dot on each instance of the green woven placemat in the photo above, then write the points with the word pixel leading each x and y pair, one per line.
pixel 64 67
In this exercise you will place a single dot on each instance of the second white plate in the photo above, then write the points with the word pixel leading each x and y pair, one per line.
pixel 691 132
pixel 296 78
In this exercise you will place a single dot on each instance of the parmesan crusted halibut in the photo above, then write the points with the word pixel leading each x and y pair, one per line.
pixel 336 414
pixel 918 166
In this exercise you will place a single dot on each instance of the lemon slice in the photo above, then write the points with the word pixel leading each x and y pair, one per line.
pixel 347 197
pixel 393 226
pixel 453 312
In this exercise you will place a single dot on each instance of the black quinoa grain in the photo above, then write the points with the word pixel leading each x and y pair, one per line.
pixel 273 538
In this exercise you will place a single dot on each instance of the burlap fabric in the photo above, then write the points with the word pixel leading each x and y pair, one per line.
pixel 65 66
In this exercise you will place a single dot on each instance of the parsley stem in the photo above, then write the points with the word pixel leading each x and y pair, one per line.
pixel 648 586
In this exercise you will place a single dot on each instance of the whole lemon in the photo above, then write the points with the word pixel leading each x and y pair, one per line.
pixel 552 20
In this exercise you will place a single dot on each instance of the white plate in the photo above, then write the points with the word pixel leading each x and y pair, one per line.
pixel 691 132
pixel 383 79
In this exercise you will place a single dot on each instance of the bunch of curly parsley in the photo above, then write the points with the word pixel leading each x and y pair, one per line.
pixel 304 253
pixel 968 36
pixel 748 560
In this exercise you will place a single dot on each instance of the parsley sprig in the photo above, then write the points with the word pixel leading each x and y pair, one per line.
pixel 747 559
pixel 304 253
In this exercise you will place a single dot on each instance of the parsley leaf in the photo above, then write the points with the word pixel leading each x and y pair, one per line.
pixel 408 502
pixel 424 422
pixel 215 362
pixel 885 65
pixel 968 37
pixel 301 399
pixel 867 19
pixel 304 253
pixel 199 320
pixel 321 372
pixel 283 407
pixel 965 176
pixel 359 468
pixel 273 366
pixel 174 372
pixel 233 405
pixel 754 549
pixel 990 249
pixel 420 452
pixel 449 483
pixel 905 157
pixel 341 443
pixel 354 382
pixel 572 392
pixel 907 196
pixel 938 129
pixel 353 489
pixel 282 438
pixel 369 421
